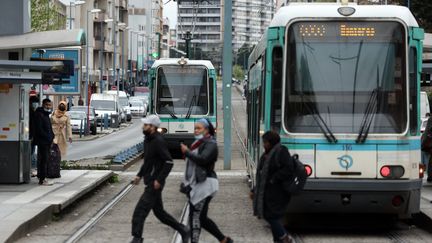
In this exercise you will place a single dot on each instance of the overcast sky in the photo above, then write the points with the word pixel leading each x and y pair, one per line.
pixel 170 11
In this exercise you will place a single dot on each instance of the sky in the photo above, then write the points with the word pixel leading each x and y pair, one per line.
pixel 170 11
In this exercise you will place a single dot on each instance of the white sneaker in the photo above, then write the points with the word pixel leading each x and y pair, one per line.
pixel 46 183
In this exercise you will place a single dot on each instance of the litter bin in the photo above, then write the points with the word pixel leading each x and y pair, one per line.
pixel 115 121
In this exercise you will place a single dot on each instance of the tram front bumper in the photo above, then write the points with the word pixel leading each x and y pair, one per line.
pixel 400 197
pixel 174 140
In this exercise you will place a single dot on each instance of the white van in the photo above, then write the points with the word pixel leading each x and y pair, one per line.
pixel 124 103
pixel 105 104
pixel 424 109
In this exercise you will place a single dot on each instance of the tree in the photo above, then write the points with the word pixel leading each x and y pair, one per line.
pixel 45 15
pixel 238 72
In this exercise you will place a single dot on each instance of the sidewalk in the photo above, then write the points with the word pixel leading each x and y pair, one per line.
pixel 24 207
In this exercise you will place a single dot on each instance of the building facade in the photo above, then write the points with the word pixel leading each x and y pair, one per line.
pixel 203 21
pixel 107 42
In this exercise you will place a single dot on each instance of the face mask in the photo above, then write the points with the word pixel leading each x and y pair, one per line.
pixel 62 108
pixel 198 137
pixel 47 110
pixel 35 105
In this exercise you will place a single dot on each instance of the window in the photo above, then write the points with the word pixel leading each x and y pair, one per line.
pixel 413 83
pixel 276 89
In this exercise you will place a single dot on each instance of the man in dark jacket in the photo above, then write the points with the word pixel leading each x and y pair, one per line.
pixel 43 137
pixel 155 169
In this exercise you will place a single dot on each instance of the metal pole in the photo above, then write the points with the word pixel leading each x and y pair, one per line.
pixel 70 15
pixel 101 57
pixel 142 57
pixel 137 42
pixel 88 75
pixel 122 60
pixel 115 49
pixel 130 56
pixel 227 73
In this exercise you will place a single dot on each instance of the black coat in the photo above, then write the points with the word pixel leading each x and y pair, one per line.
pixel 206 157
pixel 157 160
pixel 273 200
pixel 42 129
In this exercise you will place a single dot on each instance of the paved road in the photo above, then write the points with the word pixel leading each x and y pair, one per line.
pixel 108 145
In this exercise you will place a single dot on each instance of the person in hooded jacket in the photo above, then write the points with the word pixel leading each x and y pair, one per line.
pixel 43 137
pixel 201 183
pixel 61 124
pixel 270 199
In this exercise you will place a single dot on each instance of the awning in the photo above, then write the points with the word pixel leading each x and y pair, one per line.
pixel 46 39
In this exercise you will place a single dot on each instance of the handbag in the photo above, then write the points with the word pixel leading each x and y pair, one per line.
pixel 200 174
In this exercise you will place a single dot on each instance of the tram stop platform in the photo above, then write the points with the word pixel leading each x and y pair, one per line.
pixel 24 207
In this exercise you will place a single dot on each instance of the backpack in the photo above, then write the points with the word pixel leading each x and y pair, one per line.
pixel 296 184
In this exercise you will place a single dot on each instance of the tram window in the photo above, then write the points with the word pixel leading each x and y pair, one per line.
pixel 413 90
pixel 182 90
pixel 211 90
pixel 276 90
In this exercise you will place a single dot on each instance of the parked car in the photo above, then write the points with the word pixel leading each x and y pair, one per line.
pixel 78 121
pixel 106 104
pixel 92 116
pixel 143 99
pixel 138 108
pixel 124 103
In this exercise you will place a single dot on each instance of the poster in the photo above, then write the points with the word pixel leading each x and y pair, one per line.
pixel 73 86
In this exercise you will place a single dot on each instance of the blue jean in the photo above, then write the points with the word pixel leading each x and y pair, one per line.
pixel 278 230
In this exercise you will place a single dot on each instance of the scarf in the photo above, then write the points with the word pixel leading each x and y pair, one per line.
pixel 58 113
pixel 261 179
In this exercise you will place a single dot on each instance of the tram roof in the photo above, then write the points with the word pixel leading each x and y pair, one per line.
pixel 330 10
pixel 174 61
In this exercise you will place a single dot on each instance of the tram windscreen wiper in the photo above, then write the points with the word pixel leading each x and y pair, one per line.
pixel 371 110
pixel 172 114
pixel 189 112
pixel 321 123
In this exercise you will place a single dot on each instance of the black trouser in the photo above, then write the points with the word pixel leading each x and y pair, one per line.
pixel 198 218
pixel 152 199
pixel 43 155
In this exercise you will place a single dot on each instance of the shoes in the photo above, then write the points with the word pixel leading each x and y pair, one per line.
pixel 429 179
pixel 45 183
pixel 229 240
pixel 137 240
pixel 185 234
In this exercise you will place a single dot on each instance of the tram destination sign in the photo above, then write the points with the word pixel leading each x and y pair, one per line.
pixel 328 30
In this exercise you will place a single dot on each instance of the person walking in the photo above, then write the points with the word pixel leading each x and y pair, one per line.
pixel 269 197
pixel 426 147
pixel 61 125
pixel 155 169
pixel 43 137
pixel 201 183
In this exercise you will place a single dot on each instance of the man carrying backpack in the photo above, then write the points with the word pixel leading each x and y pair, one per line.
pixel 270 196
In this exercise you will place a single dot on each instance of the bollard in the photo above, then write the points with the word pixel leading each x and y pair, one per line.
pixel 81 126
pixel 105 121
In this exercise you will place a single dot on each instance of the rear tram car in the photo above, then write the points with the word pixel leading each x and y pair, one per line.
pixel 182 92
pixel 340 83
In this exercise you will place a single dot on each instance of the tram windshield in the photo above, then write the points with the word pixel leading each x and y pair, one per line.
pixel 347 77
pixel 182 90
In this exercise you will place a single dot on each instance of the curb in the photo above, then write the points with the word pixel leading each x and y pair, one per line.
pixel 42 213
pixel 101 135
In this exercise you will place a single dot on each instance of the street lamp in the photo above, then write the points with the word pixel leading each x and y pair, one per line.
pixel 75 3
pixel 93 11
pixel 124 27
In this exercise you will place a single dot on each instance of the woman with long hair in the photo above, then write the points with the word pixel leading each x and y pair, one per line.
pixel 201 183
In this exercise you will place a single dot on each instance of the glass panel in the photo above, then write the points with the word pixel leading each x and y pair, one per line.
pixel 103 105
pixel 182 89
pixel 347 76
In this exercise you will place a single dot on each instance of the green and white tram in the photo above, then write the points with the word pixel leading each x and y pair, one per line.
pixel 340 83
pixel 182 92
